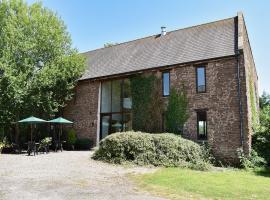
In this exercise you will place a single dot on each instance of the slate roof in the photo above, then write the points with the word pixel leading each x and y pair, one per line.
pixel 206 41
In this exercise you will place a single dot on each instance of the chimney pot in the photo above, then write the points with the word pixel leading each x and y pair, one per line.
pixel 163 30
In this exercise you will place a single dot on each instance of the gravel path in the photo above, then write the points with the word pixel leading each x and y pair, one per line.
pixel 67 176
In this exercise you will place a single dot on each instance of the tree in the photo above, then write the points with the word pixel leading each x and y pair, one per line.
pixel 38 66
pixel 264 100
pixel 176 114
pixel 261 138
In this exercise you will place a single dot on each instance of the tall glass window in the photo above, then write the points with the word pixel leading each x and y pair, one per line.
pixel 116 104
pixel 105 126
pixel 116 123
pixel 201 79
pixel 201 125
pixel 127 100
pixel 166 83
pixel 106 97
pixel 116 95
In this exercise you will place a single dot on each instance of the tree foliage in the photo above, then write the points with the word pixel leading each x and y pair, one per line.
pixel 264 100
pixel 176 114
pixel 38 66
pixel 261 138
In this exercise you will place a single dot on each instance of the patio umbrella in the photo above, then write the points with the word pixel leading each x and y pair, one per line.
pixel 61 121
pixel 32 120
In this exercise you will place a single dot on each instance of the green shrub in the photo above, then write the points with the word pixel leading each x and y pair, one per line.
pixel 83 144
pixel 251 161
pixel 164 149
pixel 71 137
pixel 261 138
pixel 4 144
pixel 176 114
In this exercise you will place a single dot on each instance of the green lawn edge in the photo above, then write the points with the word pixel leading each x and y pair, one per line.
pixel 229 184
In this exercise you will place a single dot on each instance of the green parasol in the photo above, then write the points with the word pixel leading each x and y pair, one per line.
pixel 60 120
pixel 32 120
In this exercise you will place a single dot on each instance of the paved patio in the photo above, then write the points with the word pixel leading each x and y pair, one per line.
pixel 66 175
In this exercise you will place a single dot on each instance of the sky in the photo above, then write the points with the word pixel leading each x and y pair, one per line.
pixel 92 23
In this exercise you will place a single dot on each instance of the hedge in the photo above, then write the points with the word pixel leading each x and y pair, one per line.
pixel 140 148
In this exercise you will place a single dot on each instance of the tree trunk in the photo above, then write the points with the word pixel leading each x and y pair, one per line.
pixel 17 131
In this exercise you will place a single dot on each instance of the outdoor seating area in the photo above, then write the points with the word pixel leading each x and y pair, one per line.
pixel 43 145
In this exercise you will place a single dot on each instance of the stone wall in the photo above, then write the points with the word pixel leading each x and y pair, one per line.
pixel 249 83
pixel 83 110
pixel 220 101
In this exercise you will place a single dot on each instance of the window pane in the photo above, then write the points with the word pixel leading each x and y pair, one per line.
pixel 106 97
pixel 116 123
pixel 201 128
pixel 127 122
pixel 166 83
pixel 201 79
pixel 201 125
pixel 105 125
pixel 127 101
pixel 116 96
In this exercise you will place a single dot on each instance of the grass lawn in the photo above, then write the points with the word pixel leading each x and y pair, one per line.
pixel 175 183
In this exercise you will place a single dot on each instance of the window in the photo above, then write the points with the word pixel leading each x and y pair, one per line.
pixel 116 105
pixel 166 83
pixel 201 125
pixel 116 96
pixel 106 97
pixel 201 79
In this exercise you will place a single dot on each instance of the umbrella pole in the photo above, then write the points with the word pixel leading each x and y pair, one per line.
pixel 59 133
pixel 31 133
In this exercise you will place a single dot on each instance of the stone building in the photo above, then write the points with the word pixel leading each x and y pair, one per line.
pixel 213 60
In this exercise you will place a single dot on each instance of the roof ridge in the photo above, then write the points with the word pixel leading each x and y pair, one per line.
pixel 189 27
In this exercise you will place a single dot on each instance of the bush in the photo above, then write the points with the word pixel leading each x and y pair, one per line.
pixel 71 137
pixel 176 114
pixel 164 149
pixel 4 144
pixel 83 144
pixel 261 138
pixel 251 161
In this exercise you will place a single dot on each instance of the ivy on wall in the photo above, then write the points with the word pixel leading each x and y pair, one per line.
pixel 176 114
pixel 147 105
pixel 254 115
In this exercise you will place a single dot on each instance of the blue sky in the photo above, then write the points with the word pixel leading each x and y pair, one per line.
pixel 95 22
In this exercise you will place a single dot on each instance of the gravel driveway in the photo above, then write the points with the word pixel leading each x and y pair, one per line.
pixel 66 175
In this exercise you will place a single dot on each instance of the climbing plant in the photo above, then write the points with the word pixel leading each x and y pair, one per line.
pixel 176 114
pixel 147 105
pixel 254 114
